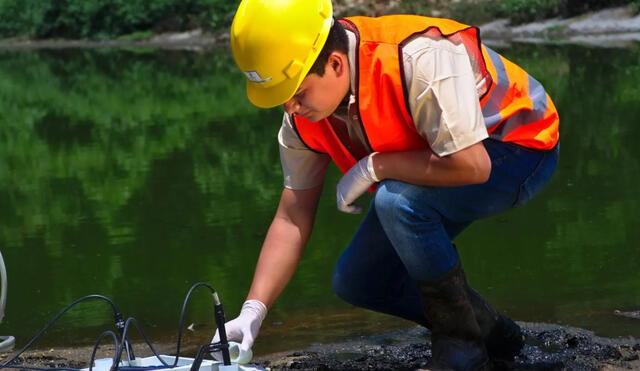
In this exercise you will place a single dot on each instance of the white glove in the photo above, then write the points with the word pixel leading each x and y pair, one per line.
pixel 245 327
pixel 354 183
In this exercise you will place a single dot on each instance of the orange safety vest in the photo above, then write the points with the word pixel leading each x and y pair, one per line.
pixel 515 106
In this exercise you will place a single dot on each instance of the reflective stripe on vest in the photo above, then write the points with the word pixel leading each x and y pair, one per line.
pixel 515 106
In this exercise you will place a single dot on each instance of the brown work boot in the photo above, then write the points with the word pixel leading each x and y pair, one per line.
pixel 456 338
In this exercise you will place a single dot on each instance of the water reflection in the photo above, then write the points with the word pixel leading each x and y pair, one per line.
pixel 136 173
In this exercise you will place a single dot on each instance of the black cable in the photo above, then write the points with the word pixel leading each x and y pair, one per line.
pixel 63 311
pixel 182 313
pixel 180 327
pixel 95 347
pixel 120 326
pixel 120 349
pixel 124 329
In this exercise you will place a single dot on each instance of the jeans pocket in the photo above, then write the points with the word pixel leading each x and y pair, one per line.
pixel 538 178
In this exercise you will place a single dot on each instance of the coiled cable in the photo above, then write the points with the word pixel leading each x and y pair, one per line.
pixel 123 344
pixel 117 315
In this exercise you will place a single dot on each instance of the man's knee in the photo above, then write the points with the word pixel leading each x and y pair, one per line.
pixel 349 288
pixel 397 201
pixel 344 287
pixel 390 197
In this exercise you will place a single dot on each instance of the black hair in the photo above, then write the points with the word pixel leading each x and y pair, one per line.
pixel 336 41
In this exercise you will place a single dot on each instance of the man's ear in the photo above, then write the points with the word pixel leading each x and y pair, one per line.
pixel 337 62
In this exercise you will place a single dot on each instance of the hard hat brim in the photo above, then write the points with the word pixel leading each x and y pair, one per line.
pixel 273 96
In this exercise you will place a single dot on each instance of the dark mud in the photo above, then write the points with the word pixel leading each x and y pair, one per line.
pixel 548 347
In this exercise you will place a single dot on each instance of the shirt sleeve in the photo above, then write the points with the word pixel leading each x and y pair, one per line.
pixel 443 94
pixel 302 168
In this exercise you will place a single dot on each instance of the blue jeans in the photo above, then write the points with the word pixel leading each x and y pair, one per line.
pixel 406 235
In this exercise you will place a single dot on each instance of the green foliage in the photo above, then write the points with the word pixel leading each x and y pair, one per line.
pixel 135 36
pixel 519 11
pixel 99 19
pixel 107 18
pixel 529 10
pixel 574 7
pixel 481 12
pixel 415 7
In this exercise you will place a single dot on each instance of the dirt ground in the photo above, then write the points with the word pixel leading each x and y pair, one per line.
pixel 548 347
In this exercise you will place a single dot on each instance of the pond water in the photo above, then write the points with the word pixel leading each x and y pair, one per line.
pixel 136 173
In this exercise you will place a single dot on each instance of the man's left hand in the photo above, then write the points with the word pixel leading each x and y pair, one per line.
pixel 354 183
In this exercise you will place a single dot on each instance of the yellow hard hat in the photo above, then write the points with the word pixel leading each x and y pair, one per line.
pixel 275 43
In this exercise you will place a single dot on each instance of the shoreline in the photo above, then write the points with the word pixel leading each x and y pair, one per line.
pixel 548 347
pixel 611 27
pixel 195 40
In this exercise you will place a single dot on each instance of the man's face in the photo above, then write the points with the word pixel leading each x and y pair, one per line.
pixel 319 96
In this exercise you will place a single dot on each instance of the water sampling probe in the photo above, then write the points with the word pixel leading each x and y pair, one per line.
pixel 156 362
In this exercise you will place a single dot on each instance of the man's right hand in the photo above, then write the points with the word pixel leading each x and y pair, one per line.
pixel 244 329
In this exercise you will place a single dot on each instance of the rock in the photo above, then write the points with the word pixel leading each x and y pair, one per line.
pixel 633 314
pixel 614 20
pixel 618 26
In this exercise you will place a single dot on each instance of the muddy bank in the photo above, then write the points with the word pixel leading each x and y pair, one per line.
pixel 548 347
